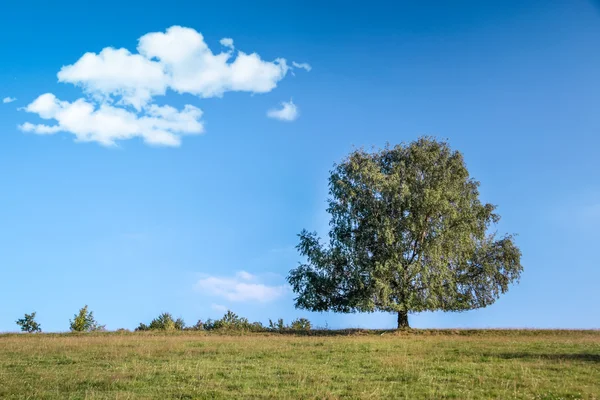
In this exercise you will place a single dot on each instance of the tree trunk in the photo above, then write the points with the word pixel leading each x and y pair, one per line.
pixel 403 320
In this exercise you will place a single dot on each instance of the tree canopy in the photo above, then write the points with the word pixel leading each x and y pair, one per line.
pixel 84 321
pixel 408 233
pixel 29 324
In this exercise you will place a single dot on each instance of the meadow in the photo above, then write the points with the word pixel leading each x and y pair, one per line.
pixel 417 364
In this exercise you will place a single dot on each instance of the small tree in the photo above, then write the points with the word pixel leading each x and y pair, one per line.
pixel 408 234
pixel 166 322
pixel 84 322
pixel 279 325
pixel 163 322
pixel 232 322
pixel 142 327
pixel 29 324
pixel 300 324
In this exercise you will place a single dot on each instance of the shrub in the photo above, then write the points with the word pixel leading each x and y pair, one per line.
pixel 277 326
pixel 300 324
pixel 164 322
pixel 84 322
pixel 142 327
pixel 29 324
pixel 233 322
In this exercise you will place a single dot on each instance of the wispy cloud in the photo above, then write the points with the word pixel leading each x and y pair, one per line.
pixel 243 286
pixel 305 66
pixel 7 100
pixel 287 112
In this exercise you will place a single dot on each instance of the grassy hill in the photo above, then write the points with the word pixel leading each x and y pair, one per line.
pixel 420 364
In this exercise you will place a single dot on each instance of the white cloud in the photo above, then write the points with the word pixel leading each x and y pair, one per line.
pixel 7 100
pixel 287 112
pixel 218 307
pixel 246 276
pixel 157 125
pixel 305 66
pixel 117 72
pixel 178 59
pixel 241 287
pixel 118 81
pixel 227 42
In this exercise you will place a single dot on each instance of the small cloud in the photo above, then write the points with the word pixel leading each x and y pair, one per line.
pixel 218 307
pixel 39 129
pixel 246 276
pixel 243 286
pixel 7 100
pixel 305 66
pixel 157 125
pixel 227 42
pixel 287 112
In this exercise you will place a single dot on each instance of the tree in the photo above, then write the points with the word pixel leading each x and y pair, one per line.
pixel 29 324
pixel 408 234
pixel 232 322
pixel 166 322
pixel 300 324
pixel 84 321
pixel 163 322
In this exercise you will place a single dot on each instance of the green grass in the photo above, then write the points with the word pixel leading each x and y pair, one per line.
pixel 360 365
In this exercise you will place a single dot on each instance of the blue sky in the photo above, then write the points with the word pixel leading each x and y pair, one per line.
pixel 175 209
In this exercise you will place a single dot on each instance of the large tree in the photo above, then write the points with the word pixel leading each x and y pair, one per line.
pixel 408 234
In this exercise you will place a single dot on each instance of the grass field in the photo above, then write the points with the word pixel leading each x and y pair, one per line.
pixel 188 365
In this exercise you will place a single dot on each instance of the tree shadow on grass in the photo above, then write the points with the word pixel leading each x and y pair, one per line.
pixel 435 332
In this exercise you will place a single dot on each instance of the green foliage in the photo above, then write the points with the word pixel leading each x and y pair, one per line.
pixel 84 322
pixel 142 327
pixel 163 322
pixel 28 323
pixel 232 322
pixel 408 234
pixel 277 326
pixel 300 324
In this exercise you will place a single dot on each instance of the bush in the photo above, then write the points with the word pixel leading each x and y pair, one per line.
pixel 277 326
pixel 300 324
pixel 142 327
pixel 84 322
pixel 164 322
pixel 29 324
pixel 233 322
